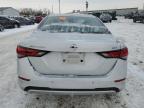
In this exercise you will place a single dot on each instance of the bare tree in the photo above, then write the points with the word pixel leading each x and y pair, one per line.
pixel 34 12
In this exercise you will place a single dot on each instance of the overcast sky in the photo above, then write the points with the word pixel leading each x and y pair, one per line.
pixel 69 5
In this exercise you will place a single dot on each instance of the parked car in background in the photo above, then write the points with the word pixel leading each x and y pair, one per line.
pixel 24 21
pixel 9 22
pixel 1 28
pixel 139 17
pixel 72 54
pixel 129 15
pixel 105 17
pixel 38 19
pixel 113 14
pixel 97 14
pixel 32 18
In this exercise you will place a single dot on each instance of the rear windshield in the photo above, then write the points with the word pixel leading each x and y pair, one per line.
pixel 73 24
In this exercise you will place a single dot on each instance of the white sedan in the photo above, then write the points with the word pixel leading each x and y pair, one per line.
pixel 72 54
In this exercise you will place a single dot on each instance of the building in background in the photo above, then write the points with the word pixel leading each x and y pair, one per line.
pixel 9 11
pixel 119 12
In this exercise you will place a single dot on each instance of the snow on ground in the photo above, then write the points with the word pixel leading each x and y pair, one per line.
pixel 8 32
pixel 131 97
pixel 133 34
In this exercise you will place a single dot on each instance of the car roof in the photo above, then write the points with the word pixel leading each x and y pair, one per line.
pixel 4 16
pixel 74 14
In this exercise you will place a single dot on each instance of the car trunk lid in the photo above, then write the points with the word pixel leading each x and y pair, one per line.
pixel 83 59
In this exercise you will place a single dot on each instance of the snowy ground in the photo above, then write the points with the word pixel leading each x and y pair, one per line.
pixel 133 34
pixel 132 97
pixel 8 32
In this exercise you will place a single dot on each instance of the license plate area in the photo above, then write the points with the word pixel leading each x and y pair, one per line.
pixel 73 58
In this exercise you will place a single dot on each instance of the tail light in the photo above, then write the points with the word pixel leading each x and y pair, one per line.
pixel 22 78
pixel 122 53
pixel 120 80
pixel 25 52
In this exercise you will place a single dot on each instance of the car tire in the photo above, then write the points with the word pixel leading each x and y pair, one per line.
pixel 134 20
pixel 143 21
pixel 16 26
pixel 1 29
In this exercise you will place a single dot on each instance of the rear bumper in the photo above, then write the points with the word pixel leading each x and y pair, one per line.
pixel 70 91
pixel 77 86
pixel 89 85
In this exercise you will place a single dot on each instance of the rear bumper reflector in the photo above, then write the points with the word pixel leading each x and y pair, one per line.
pixel 55 89
pixel 120 80
pixel 22 78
